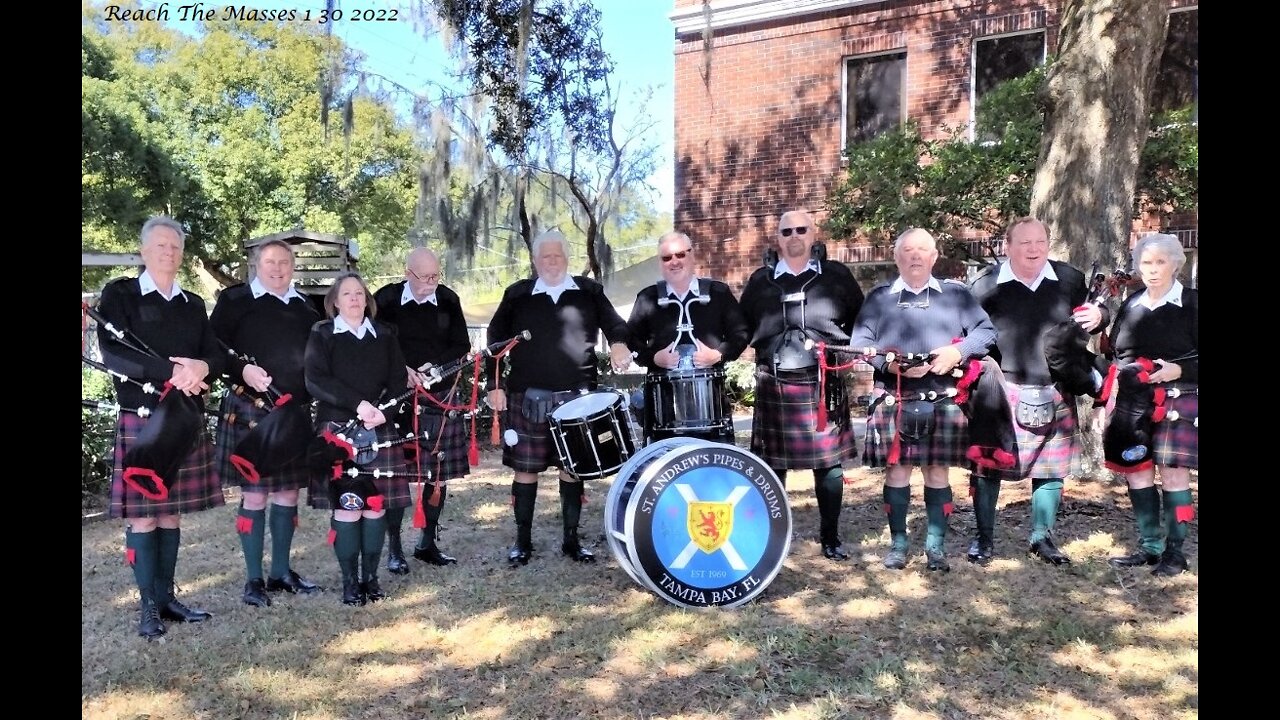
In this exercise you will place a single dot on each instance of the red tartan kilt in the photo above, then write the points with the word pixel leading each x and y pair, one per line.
pixel 784 425
pixel 1176 442
pixel 1041 454
pixel 535 451
pixel 394 489
pixel 451 436
pixel 945 446
pixel 294 476
pixel 196 488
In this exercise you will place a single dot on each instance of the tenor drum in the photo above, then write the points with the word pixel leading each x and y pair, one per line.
pixel 688 400
pixel 593 435
pixel 699 523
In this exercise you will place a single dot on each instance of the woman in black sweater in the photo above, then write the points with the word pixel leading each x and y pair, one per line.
pixel 352 364
pixel 1156 334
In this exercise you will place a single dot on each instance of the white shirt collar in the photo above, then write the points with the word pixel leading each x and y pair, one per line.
pixel 147 284
pixel 258 289
pixel 1006 274
pixel 407 297
pixel 899 285
pixel 1173 297
pixel 340 326
pixel 540 287
pixel 782 268
pixel 693 290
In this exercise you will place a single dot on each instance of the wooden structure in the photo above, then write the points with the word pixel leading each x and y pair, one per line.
pixel 320 257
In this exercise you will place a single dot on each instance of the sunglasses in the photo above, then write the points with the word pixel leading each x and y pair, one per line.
pixel 678 256
pixel 786 232
pixel 425 278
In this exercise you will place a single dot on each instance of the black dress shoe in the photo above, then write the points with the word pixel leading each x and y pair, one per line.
pixel 1048 552
pixel 255 593
pixel 1172 562
pixel 293 583
pixel 519 555
pixel 1134 559
pixel 834 551
pixel 176 611
pixel 373 590
pixel 352 593
pixel 577 553
pixel 149 625
pixel 396 564
pixel 433 556
pixel 981 551
pixel 895 560
pixel 937 562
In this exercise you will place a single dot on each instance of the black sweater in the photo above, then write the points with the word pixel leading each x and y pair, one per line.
pixel 561 353
pixel 428 333
pixel 271 332
pixel 172 328
pixel 1168 332
pixel 1022 318
pixel 343 370
pixel 832 302
pixel 719 324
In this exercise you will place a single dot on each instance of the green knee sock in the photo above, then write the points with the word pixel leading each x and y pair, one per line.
pixel 250 524
pixel 167 542
pixel 896 502
pixel 394 519
pixel 373 532
pixel 143 555
pixel 937 506
pixel 986 494
pixel 346 547
pixel 1178 511
pixel 1146 512
pixel 1045 496
pixel 828 489
pixel 283 520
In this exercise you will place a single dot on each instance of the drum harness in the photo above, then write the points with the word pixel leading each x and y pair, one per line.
pixel 684 324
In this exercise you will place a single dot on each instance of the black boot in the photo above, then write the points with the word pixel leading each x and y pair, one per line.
pixel 1048 552
pixel 396 564
pixel 255 593
pixel 346 547
pixel 1134 559
pixel 143 556
pixel 1172 562
pixel 523 496
pixel 426 551
pixel 571 510
pixel 149 624
pixel 171 608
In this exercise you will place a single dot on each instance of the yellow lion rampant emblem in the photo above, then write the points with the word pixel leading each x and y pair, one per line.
pixel 710 524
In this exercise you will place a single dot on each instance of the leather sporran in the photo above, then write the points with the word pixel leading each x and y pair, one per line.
pixel 1036 408
pixel 917 421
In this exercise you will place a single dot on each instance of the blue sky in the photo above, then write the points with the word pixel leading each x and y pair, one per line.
pixel 637 35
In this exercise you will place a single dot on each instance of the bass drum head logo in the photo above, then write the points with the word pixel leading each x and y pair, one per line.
pixel 706 524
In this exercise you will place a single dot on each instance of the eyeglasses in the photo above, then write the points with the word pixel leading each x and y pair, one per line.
pixel 433 277
pixel 678 256
pixel 786 232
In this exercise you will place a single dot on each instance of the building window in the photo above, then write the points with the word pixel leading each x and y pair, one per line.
pixel 999 58
pixel 873 98
pixel 1177 82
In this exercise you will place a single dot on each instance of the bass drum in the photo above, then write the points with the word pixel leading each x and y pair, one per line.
pixel 698 523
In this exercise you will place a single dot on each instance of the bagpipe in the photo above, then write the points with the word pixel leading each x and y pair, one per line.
pixel 1139 405
pixel 1066 345
pixel 172 428
pixel 280 437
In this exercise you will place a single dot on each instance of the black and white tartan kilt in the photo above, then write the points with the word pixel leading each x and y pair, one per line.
pixel 945 446
pixel 451 436
pixel 196 488
pixel 294 476
pixel 784 426
pixel 394 490
pixel 1052 454
pixel 535 451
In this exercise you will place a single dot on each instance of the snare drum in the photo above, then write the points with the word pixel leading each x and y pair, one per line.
pixel 592 434
pixel 698 523
pixel 687 400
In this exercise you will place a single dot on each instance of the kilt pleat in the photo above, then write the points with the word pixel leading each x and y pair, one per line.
pixel 784 425
pixel 535 451
pixel 196 488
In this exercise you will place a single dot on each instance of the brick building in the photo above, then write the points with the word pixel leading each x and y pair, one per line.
pixel 766 101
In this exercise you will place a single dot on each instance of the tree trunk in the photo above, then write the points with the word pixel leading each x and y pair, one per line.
pixel 1096 115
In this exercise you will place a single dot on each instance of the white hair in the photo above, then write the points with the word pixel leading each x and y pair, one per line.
pixel 1167 245
pixel 162 221
pixel 546 237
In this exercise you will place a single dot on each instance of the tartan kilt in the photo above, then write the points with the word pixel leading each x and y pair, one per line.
pixel 294 476
pixel 783 426
pixel 945 446
pixel 1176 443
pixel 451 436
pixel 394 490
pixel 197 487
pixel 1049 452
pixel 535 451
